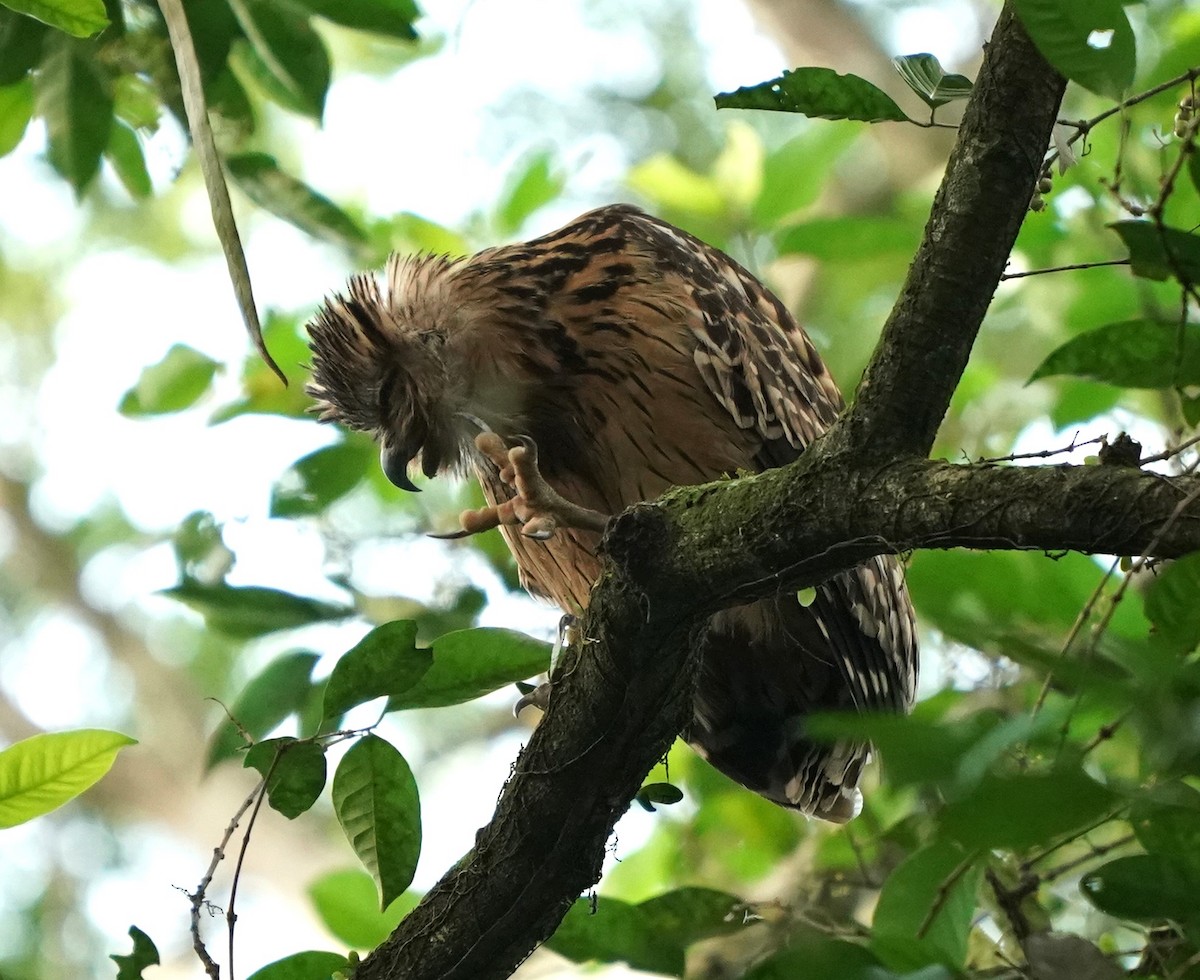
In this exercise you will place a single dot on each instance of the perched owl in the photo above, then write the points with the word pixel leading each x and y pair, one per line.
pixel 635 358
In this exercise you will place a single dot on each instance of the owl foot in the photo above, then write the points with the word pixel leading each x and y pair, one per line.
pixel 538 509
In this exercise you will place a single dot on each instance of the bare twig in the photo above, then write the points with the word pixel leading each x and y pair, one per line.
pixel 1062 268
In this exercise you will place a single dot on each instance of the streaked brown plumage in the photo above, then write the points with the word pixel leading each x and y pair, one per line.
pixel 637 358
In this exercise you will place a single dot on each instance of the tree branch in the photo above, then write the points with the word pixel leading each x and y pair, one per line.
pixel 864 489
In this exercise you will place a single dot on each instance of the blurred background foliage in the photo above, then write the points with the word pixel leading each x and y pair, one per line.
pixel 178 536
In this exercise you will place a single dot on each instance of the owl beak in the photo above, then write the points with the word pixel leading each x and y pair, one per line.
pixel 394 461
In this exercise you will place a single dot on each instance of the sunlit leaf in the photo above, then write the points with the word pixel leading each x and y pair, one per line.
pixel 82 18
pixel 72 97
pixel 125 154
pixel 820 93
pixel 375 799
pixel 145 953
pixel 675 187
pixel 310 965
pixel 924 74
pixel 468 664
pixel 1160 253
pixel 533 183
pixel 315 481
pixel 1091 43
pixel 260 177
pixel 284 335
pixel 252 610
pixel 295 773
pixel 348 904
pixel 289 50
pixel 795 174
pixel 41 773
pixel 391 17
pixel 16 109
pixel 1133 354
pixel 281 689
pixel 850 238
pixel 386 662
pixel 173 384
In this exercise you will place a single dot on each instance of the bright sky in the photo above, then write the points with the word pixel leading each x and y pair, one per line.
pixel 391 144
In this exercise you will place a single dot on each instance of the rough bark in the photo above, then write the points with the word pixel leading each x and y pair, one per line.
pixel 864 489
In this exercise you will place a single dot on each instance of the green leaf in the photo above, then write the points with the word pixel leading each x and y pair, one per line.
pixel 315 481
pixel 391 17
pixel 532 184
pixel 834 959
pixel 282 689
pixel 376 802
pixel 652 936
pixel 310 965
pixel 125 154
pixel 1025 810
pixel 259 176
pixel 264 394
pixel 1160 253
pixel 1145 887
pixel 384 663
pixel 794 175
pixel 850 238
pixel 348 906
pixel 820 93
pixel 289 50
pixel 295 773
pixel 1170 831
pixel 1131 354
pixel 924 74
pixel 144 954
pixel 1091 43
pixel 1172 603
pixel 908 896
pixel 253 610
pixel 16 109
pixel 41 773
pixel 663 794
pixel 468 664
pixel 73 98
pixel 81 18
pixel 21 40
pixel 173 384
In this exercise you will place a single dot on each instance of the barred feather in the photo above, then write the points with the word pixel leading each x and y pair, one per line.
pixel 638 358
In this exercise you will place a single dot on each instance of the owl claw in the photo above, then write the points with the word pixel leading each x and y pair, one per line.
pixel 537 509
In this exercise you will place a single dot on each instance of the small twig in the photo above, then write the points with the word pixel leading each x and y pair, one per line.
pixel 1105 733
pixel 1046 852
pixel 864 867
pixel 197 897
pixel 1094 852
pixel 260 795
pixel 943 892
pixel 1170 451
pixel 1062 268
pixel 1044 453
pixel 1010 899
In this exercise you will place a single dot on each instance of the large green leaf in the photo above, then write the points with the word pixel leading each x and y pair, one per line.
pixel 82 18
pixel 1026 810
pixel 391 17
pixel 73 97
pixel 1146 887
pixel 906 900
pixel 851 238
pixel 315 481
pixel 652 936
pixel 1160 253
pixel 260 177
pixel 794 175
pixel 1091 43
pixel 283 688
pixel 173 384
pixel 289 51
pixel 41 773
pixel 348 905
pixel 376 802
pixel 385 663
pixel 21 40
pixel 253 610
pixel 1173 603
pixel 1132 354
pixel 821 958
pixel 125 154
pixel 820 93
pixel 468 664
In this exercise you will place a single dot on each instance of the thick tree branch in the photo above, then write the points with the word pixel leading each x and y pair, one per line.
pixel 620 699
